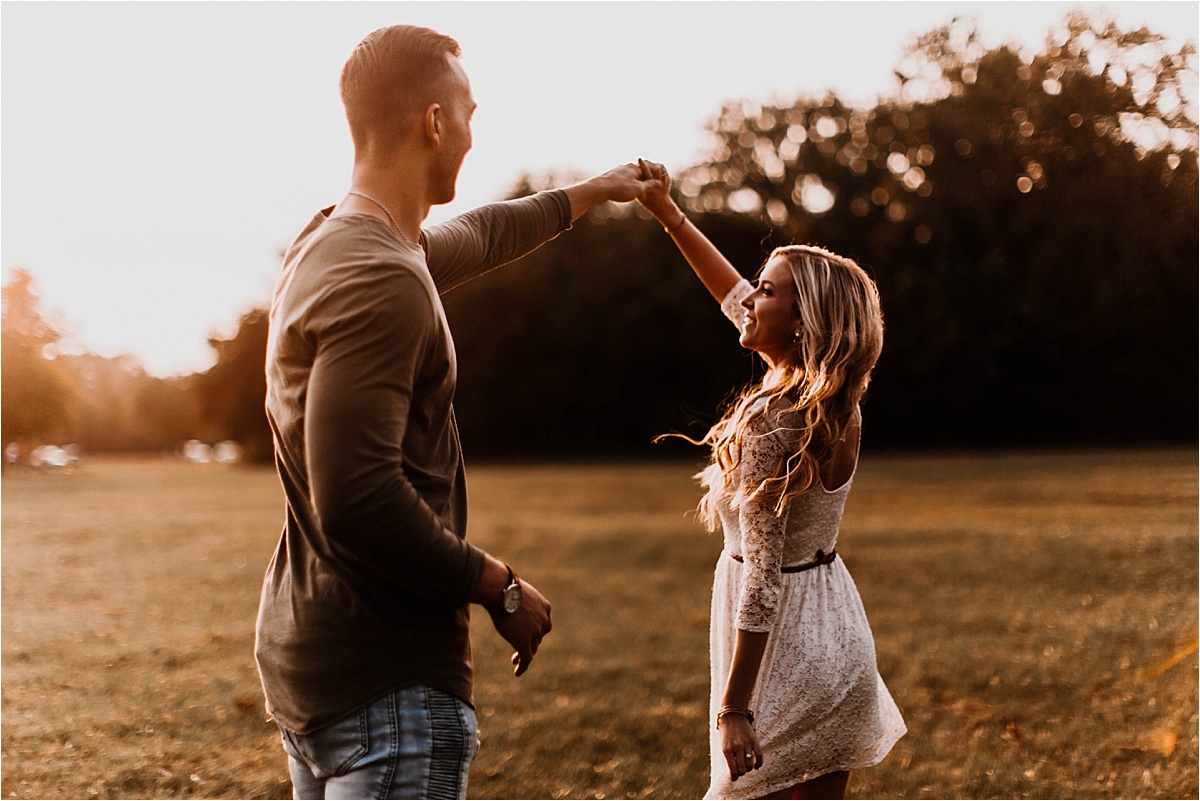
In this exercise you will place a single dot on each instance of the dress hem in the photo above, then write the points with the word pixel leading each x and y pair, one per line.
pixel 862 764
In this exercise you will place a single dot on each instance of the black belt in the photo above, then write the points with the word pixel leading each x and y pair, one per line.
pixel 822 559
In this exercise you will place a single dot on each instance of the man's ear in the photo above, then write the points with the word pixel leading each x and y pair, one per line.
pixel 432 124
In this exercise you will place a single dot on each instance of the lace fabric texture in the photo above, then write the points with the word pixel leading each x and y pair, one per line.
pixel 820 704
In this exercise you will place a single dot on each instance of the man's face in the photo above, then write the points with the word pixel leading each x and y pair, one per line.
pixel 456 116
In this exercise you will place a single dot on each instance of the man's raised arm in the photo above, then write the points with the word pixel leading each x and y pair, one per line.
pixel 480 240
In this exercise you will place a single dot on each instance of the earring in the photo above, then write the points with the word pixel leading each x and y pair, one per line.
pixel 796 336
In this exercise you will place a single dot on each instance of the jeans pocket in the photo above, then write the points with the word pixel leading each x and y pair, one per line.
pixel 333 750
pixel 355 749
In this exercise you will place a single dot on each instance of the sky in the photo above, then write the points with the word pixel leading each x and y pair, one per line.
pixel 155 158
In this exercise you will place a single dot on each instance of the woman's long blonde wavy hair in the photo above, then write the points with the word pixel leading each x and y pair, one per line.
pixel 811 395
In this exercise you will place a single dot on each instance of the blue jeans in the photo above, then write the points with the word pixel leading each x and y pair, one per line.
pixel 415 743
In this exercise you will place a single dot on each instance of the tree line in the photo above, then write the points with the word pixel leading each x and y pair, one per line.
pixel 1030 219
pixel 113 405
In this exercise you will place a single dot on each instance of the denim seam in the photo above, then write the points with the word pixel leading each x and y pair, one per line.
pixel 463 767
pixel 385 783
pixel 447 746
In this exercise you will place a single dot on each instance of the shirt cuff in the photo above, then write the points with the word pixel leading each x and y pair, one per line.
pixel 564 208
pixel 731 306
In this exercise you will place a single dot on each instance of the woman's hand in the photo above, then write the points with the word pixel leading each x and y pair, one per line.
pixel 619 185
pixel 713 269
pixel 657 196
pixel 739 744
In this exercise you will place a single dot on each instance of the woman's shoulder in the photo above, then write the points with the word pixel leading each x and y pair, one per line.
pixel 778 412
pixel 776 422
pixel 779 422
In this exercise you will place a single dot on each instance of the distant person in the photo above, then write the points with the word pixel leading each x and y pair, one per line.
pixel 797 701
pixel 362 632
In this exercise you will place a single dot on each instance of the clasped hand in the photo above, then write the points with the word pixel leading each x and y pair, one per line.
pixel 643 181
pixel 740 745
pixel 525 628
pixel 656 197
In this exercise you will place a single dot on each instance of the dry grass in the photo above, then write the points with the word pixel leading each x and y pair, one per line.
pixel 1035 617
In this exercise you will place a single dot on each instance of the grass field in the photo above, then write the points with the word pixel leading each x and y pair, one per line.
pixel 1035 618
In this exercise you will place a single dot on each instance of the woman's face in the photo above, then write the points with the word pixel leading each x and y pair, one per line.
pixel 772 318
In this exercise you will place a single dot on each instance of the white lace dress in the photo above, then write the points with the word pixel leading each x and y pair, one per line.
pixel 820 704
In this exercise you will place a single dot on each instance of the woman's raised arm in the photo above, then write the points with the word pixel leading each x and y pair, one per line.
pixel 713 269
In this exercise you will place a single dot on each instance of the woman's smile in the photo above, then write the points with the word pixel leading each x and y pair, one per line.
pixel 770 316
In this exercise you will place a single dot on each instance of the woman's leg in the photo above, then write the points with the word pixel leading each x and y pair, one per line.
pixel 831 785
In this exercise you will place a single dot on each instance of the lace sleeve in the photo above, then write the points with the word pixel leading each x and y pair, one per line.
pixel 731 306
pixel 762 536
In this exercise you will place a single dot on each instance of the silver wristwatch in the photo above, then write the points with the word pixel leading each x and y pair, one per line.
pixel 510 596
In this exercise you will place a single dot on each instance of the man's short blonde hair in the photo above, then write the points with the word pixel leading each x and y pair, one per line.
pixel 393 73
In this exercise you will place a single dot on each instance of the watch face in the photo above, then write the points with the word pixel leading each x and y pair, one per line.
pixel 512 598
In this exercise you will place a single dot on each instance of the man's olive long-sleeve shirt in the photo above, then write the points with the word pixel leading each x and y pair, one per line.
pixel 366 593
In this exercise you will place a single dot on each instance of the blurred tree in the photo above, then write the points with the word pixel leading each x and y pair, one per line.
pixel 1031 219
pixel 231 395
pixel 38 399
pixel 122 408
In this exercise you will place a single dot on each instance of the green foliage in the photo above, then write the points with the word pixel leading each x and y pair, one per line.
pixel 97 403
pixel 231 395
pixel 38 399
pixel 122 408
pixel 1030 218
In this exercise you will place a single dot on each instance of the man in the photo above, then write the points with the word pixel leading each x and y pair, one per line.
pixel 362 634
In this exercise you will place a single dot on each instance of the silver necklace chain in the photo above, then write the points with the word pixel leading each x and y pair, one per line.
pixel 385 211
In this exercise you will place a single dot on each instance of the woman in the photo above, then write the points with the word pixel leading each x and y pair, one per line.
pixel 797 701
